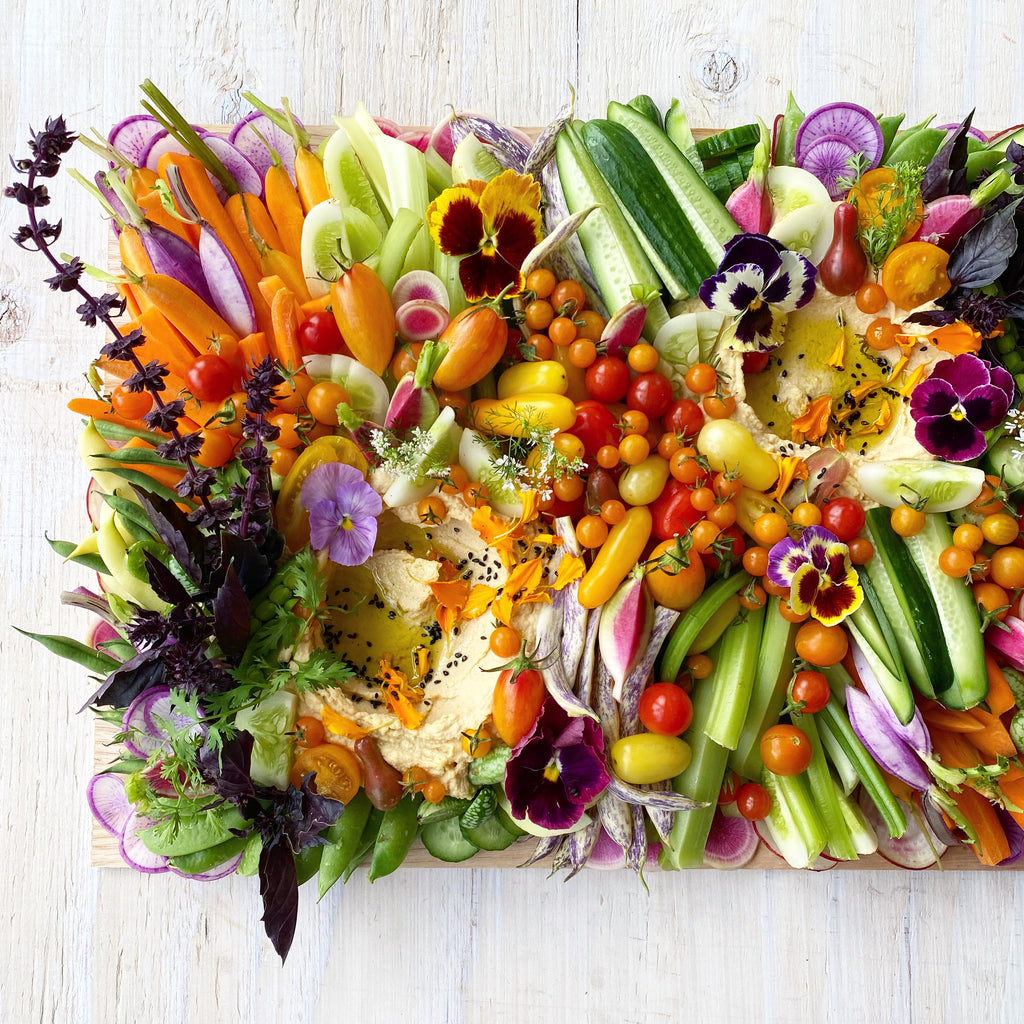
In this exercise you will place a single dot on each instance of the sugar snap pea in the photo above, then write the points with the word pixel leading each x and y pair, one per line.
pixel 344 836
pixel 366 842
pixel 397 831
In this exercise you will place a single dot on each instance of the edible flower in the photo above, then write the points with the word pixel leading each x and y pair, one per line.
pixel 399 695
pixel 556 769
pixel 952 409
pixel 956 338
pixel 343 510
pixel 818 571
pixel 811 426
pixel 492 226
pixel 758 282
pixel 525 584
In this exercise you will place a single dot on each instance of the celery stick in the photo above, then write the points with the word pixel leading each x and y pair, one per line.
pixel 737 664
pixel 400 236
pixel 841 761
pixel 870 774
pixel 439 172
pixel 447 268
pixel 795 792
pixel 694 620
pixel 823 791
pixel 421 253
pixel 702 780
pixel 771 679
pixel 781 824
pixel 865 841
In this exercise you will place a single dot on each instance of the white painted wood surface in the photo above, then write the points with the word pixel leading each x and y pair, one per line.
pixel 95 946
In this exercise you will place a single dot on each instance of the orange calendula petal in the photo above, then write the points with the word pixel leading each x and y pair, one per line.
pixel 570 569
pixel 340 725
pixel 791 467
pixel 838 358
pixel 479 600
pixel 399 695
pixel 811 426
pixel 956 338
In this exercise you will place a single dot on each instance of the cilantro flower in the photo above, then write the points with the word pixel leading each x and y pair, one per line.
pixel 952 409
pixel 818 572
pixel 493 226
pixel 343 510
pixel 556 769
pixel 758 282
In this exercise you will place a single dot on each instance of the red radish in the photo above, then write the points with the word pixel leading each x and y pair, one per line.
pixel 947 219
pixel 974 133
pixel 732 842
pixel 623 329
pixel 829 158
pixel 624 630
pixel 916 849
pixel 1009 640
pixel 441 140
pixel 421 320
pixel 850 122
pixel 388 127
pixel 414 403
pixel 419 284
pixel 94 503
pixel 751 207
pixel 419 140
pixel 108 803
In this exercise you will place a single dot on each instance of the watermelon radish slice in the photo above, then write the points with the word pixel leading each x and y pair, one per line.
pixel 246 138
pixel 132 136
pixel 828 158
pixel 974 133
pixel 858 126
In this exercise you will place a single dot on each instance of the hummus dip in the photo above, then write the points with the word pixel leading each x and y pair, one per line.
pixel 798 372
pixel 386 607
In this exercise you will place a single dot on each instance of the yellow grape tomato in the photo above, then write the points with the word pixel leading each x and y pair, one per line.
pixel 641 484
pixel 649 757
pixel 728 445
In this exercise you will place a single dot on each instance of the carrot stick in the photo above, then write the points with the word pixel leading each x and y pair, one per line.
pixel 993 741
pixel 194 318
pixel 131 300
pixel 96 409
pixel 269 286
pixel 992 846
pixel 286 338
pixel 279 263
pixel 253 349
pixel 285 209
pixel 164 342
pixel 318 305
pixel 245 202
pixel 309 176
pixel 954 750
pixel 200 191
pixel 134 257
pixel 936 715
pixel 1000 697
pixel 1011 785
pixel 142 181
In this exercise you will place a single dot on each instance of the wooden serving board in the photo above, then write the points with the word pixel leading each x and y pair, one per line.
pixel 104 846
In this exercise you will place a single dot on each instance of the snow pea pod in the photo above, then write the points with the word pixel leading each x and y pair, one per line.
pixel 366 842
pixel 307 863
pixel 344 836
pixel 397 831
pixel 915 146
pixel 205 860
pixel 889 125
pixel 785 142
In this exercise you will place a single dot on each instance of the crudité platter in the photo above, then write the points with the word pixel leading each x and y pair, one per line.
pixel 610 495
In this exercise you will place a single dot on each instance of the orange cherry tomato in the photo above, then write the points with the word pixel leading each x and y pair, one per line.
pixel 338 771
pixel 677 590
pixel 915 273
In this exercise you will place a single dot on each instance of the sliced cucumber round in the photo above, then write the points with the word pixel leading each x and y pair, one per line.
pixel 333 238
pixel 807 230
pixel 942 486
pixel 367 393
pixel 491 835
pixel 445 841
pixel 792 188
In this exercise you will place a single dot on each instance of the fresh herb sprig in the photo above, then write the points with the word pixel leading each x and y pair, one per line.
pixel 894 206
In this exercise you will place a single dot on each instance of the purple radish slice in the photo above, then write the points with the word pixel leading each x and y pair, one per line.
pixel 162 142
pixel 915 850
pixel 140 740
pixel 245 139
pixel 229 867
pixel 974 133
pixel 732 842
pixel 170 254
pixel 135 852
pixel 828 159
pixel 418 140
pixel 889 749
pixel 228 292
pixel 419 284
pixel 108 803
pixel 915 732
pixel 850 121
pixel 101 633
pixel 157 714
pixel 132 136
pixel 240 167
pixel 421 320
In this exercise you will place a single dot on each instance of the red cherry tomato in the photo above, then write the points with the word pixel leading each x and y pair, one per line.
pixel 210 378
pixel 651 393
pixel 737 545
pixel 755 362
pixel 607 379
pixel 665 709
pixel 672 513
pixel 753 801
pixel 684 417
pixel 810 689
pixel 594 426
pixel 844 517
pixel 320 335
pixel 518 696
pixel 785 750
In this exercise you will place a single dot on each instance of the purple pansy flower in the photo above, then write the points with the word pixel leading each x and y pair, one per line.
pixel 963 397
pixel 556 769
pixel 343 510
pixel 758 281
pixel 818 571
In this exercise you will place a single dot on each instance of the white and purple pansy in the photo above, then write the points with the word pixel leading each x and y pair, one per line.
pixel 818 571
pixel 758 282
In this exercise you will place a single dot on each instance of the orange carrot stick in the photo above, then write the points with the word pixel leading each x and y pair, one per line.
pixel 285 209
pixel 164 342
pixel 309 177
pixel 253 349
pixel 242 203
pixel 286 337
pixel 1000 697
pixel 96 409
pixel 936 715
pixel 318 305
pixel 142 182
pixel 993 741
pixel 200 324
pixel 954 749
pixel 992 846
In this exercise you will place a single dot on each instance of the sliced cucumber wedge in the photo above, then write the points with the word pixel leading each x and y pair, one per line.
pixel 445 841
